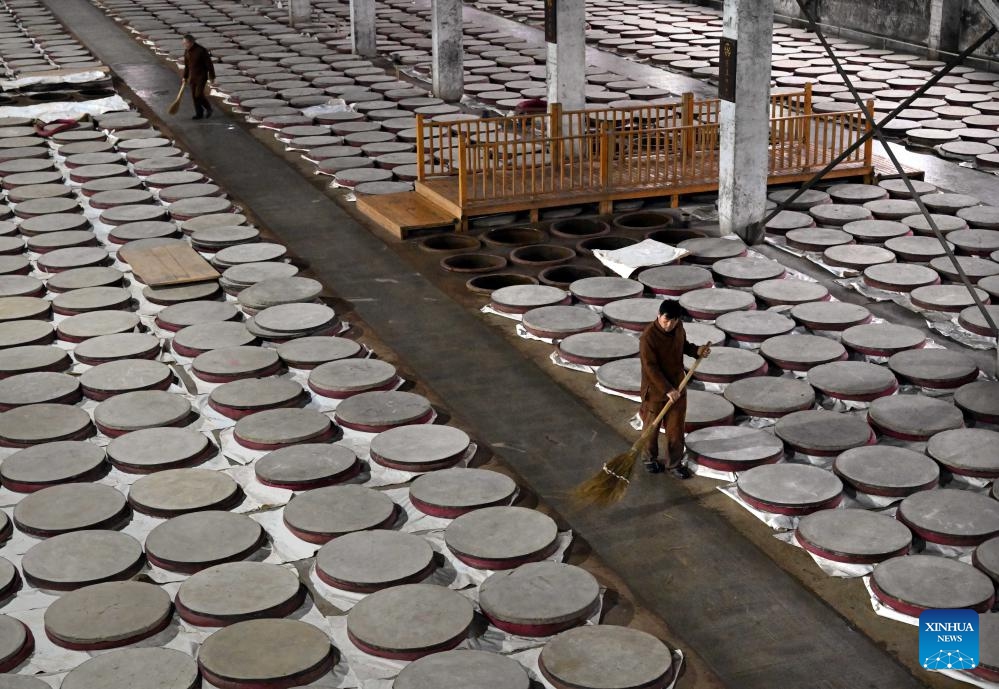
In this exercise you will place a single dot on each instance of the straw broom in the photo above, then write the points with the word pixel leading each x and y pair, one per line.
pixel 609 484
pixel 175 106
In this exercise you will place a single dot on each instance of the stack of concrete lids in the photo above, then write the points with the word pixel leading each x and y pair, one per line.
pixel 557 322
pixel 133 411
pixel 71 507
pixel 886 470
pixel 754 326
pixel 523 298
pixel 770 397
pixel 853 380
pixel 40 466
pixel 245 655
pixel 823 433
pixel 539 598
pixel 951 517
pixel 307 466
pixel 605 656
pixel 463 670
pixel 979 400
pixel 708 304
pixel 256 252
pixel 911 584
pixel 205 337
pixel 501 537
pixel 129 375
pixel 33 358
pixel 383 624
pixel 289 321
pixel 195 541
pixel 275 291
pixel 882 339
pixel 79 620
pixel 420 448
pixel 178 491
pixel 986 558
pixel 16 643
pixel 235 363
pixel 177 294
pixel 43 423
pixel 450 493
pixel 237 278
pixel 158 449
pixel 676 279
pixel 624 375
pixel 132 668
pixel 802 352
pixel 374 412
pixel 913 417
pixel 792 489
pixel 633 314
pixel 368 561
pixel 597 348
pixel 733 448
pixel 966 451
pixel 235 591
pixel 87 299
pixel 10 579
pixel 853 536
pixel 248 396
pixel 603 290
pixel 322 514
pixel 309 352
pixel 189 313
pixel 276 428
pixel 348 377
pixel 726 364
pixel 213 239
pixel 82 558
pixel 95 324
pixel 98 350
pixel 39 388
pixel 934 368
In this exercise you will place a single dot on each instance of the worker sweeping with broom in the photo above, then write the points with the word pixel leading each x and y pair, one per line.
pixel 664 405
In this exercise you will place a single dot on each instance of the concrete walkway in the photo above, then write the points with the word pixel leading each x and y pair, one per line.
pixel 755 625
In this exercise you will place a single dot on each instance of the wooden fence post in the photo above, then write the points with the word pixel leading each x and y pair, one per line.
pixel 421 172
pixel 687 121
pixel 462 171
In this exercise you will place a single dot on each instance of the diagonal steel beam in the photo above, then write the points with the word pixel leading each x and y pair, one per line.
pixel 991 9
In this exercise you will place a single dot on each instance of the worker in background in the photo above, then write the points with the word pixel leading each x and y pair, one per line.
pixel 198 72
pixel 661 348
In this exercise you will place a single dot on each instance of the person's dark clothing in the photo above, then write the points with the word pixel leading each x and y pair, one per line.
pixel 661 355
pixel 198 71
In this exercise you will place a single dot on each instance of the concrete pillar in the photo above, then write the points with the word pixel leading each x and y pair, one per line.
pixel 565 34
pixel 299 12
pixel 745 123
pixel 944 32
pixel 448 68
pixel 363 38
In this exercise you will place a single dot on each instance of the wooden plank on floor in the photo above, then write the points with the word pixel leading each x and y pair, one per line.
pixel 170 264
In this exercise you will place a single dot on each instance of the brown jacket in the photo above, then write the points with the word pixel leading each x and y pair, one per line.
pixel 661 354
pixel 198 66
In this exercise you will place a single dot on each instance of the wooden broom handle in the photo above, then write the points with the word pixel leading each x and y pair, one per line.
pixel 654 426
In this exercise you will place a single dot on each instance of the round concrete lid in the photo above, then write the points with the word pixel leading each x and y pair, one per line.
pixel 25 682
pixel 821 431
pixel 595 349
pixel 789 291
pixel 73 257
pixel 876 231
pixel 501 533
pixel 560 321
pixel 968 451
pixel 920 249
pixel 256 252
pixel 853 535
pixel 789 220
pixel 51 463
pixel 247 274
pixel 155 449
pixel 728 362
pixel 914 417
pixel 419 448
pixel 935 368
pixel 309 352
pixel 949 298
pixel 22 308
pixel 107 615
pixel 24 333
pixel 56 222
pixel 624 375
pixel 229 363
pixel 194 541
pixel 737 445
pixel 373 560
pixel 979 399
pixel 606 657
pixel 703 333
pixel 245 653
pixel 675 279
pixel 97 323
pixel 851 379
pixel 135 668
pixel 307 465
pixel 456 491
pixel 290 319
pixel 82 558
pixel 930 582
pixel 744 270
pixel 257 393
pixel 282 426
pixel 974 267
pixel 882 339
pixel 838 214
pixel 754 325
pixel 856 193
pixel 351 375
pixel 212 220
pixel 539 593
pixel 711 249
pixel 128 375
pixel 986 557
pixel 899 277
pixel 886 470
pixel 384 621
pixel 120 346
pixel 70 507
pixel 42 423
pixel 789 485
pixel 221 237
pixel 235 591
pixel 276 291
pixel 463 670
pixel 972 319
pixel 14 638
pixel 601 290
pixel 132 411
pixel 181 293
pixel 985 217
pixel 147 229
pixel 322 514
pixel 857 256
pixel 38 388
pixel 710 303
pixel 204 337
pixel 176 491
pixel 801 352
pixel 196 313
pixel 383 409
pixel 830 315
pixel 632 313
pixel 951 516
pixel 523 298
pixel 767 396
pixel 20 286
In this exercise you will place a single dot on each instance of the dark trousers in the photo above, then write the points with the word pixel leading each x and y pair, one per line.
pixel 199 97
pixel 673 425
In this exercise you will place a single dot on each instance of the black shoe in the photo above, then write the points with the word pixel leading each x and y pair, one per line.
pixel 197 117
pixel 208 114
pixel 680 472
pixel 654 466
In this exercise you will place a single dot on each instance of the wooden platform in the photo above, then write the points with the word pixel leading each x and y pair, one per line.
pixel 171 264
pixel 405 213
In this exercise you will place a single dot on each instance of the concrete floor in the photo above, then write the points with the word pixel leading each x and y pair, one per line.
pixel 748 611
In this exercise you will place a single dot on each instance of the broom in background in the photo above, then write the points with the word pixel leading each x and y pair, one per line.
pixel 610 484
pixel 175 106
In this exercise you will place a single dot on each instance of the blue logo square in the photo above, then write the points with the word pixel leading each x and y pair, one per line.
pixel 948 639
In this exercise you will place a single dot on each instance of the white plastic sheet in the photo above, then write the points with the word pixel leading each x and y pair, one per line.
pixel 63 110
pixel 645 254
